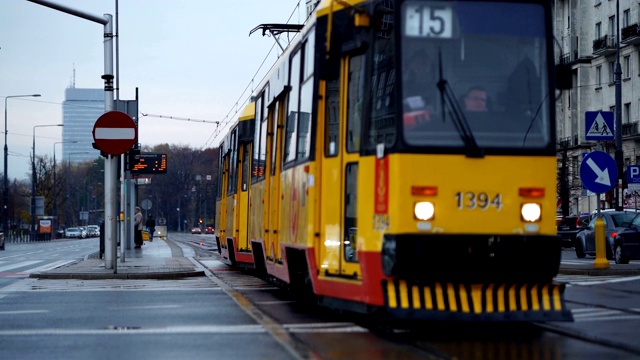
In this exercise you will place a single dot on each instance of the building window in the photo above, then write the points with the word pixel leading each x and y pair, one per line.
pixel 598 30
pixel 598 77
pixel 625 18
pixel 626 70
pixel 612 25
pixel 612 72
pixel 626 115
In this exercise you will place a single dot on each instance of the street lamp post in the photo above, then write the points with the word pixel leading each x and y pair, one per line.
pixel 33 181
pixel 55 194
pixel 5 190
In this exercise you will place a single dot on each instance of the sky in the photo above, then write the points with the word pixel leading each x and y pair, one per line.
pixel 192 61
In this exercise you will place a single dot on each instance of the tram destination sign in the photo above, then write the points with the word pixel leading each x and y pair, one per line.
pixel 149 163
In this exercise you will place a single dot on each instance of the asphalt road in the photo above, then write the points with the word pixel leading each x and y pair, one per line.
pixel 230 314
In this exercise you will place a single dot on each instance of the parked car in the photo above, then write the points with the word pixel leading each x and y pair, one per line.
pixel 73 232
pixel 93 230
pixel 1 241
pixel 567 228
pixel 209 230
pixel 83 232
pixel 626 244
pixel 614 222
pixel 196 230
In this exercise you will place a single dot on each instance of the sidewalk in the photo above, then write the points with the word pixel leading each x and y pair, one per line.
pixel 631 269
pixel 158 259
pixel 162 259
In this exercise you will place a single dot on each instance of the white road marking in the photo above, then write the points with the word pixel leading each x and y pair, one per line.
pixel 19 265
pixel 599 314
pixel 50 266
pixel 23 312
pixel 196 329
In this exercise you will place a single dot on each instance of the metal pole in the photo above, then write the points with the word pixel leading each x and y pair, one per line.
pixel 5 190
pixel 618 80
pixel 111 162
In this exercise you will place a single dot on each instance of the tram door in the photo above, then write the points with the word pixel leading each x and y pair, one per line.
pixel 343 112
pixel 222 217
pixel 275 193
pixel 242 198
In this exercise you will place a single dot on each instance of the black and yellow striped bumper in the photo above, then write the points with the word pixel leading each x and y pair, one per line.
pixel 476 302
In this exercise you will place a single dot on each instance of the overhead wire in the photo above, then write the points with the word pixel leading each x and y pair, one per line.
pixel 229 119
pixel 237 105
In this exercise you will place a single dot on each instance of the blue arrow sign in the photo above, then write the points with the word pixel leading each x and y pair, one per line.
pixel 599 125
pixel 598 172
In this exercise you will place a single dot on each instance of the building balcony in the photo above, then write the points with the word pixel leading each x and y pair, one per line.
pixel 630 34
pixel 605 45
pixel 630 129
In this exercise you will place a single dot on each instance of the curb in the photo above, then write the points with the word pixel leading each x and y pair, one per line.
pixel 101 276
pixel 600 272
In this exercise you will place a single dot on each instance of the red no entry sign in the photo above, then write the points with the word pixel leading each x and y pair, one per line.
pixel 115 132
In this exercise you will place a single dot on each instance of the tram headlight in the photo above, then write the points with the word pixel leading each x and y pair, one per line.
pixel 424 210
pixel 530 212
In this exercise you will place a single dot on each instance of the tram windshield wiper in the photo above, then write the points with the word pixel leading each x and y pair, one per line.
pixel 449 102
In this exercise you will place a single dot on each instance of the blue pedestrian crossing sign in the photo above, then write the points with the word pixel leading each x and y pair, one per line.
pixel 598 172
pixel 599 125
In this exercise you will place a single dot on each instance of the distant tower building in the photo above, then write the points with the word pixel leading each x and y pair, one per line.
pixel 80 110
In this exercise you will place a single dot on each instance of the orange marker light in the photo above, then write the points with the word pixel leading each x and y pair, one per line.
pixel 532 192
pixel 424 190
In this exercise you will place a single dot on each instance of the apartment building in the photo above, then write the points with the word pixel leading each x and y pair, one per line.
pixel 588 34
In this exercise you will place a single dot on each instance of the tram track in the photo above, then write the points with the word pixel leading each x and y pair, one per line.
pixel 444 340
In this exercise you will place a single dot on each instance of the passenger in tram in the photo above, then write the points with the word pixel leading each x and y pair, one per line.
pixel 419 89
pixel 476 100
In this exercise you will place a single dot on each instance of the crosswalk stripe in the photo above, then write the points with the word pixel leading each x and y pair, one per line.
pixel 19 265
pixel 50 266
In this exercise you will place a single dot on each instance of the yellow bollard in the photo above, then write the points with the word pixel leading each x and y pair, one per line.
pixel 601 261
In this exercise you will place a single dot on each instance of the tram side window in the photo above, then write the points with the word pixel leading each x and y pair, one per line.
pixel 275 115
pixel 233 164
pixel 355 98
pixel 245 166
pixel 220 172
pixel 351 213
pixel 264 127
pixel 291 134
pixel 257 172
pixel 306 102
pixel 332 118
pixel 382 129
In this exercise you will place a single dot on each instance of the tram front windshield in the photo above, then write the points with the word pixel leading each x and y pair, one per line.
pixel 474 68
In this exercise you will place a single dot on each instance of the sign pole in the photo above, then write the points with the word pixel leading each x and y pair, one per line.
pixel 599 174
pixel 601 261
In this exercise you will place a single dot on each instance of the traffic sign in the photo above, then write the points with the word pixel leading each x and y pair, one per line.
pixel 598 172
pixel 115 132
pixel 633 177
pixel 599 125
pixel 633 174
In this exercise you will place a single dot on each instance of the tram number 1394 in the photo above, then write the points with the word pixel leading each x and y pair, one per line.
pixel 470 200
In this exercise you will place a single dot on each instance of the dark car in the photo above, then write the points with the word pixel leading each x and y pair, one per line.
pixel 568 227
pixel 626 245
pixel 209 230
pixel 614 222
pixel 1 241
pixel 196 230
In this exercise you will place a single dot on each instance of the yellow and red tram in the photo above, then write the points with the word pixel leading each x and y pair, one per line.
pixel 357 178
